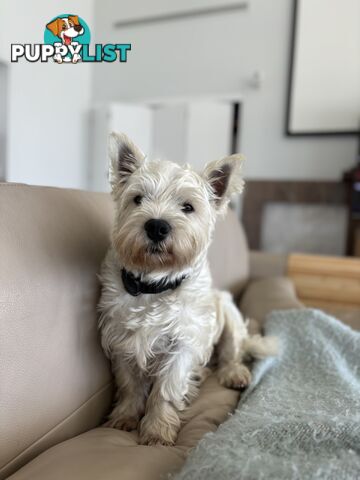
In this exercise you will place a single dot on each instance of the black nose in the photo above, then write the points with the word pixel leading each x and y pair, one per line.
pixel 78 28
pixel 157 230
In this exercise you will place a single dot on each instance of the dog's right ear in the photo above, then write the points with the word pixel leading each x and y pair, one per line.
pixel 54 27
pixel 125 158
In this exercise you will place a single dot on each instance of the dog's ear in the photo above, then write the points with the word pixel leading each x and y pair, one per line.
pixel 74 19
pixel 55 26
pixel 224 178
pixel 125 158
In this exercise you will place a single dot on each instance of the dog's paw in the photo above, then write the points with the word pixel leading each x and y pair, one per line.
pixel 150 440
pixel 123 423
pixel 157 433
pixel 76 58
pixel 235 375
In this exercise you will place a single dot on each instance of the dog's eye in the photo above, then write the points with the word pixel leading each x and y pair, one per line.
pixel 138 199
pixel 64 26
pixel 187 208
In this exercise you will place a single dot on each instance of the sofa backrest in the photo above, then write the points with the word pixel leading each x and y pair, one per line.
pixel 54 379
pixel 229 255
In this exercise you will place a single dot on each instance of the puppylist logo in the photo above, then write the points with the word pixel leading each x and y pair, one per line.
pixel 67 40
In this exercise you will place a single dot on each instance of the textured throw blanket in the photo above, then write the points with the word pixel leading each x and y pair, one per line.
pixel 300 419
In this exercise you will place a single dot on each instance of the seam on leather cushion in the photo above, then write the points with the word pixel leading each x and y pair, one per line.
pixel 31 451
pixel 10 184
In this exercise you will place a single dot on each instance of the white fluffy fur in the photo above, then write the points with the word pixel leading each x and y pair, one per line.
pixel 159 344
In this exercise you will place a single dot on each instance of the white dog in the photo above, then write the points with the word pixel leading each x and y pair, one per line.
pixel 66 29
pixel 160 318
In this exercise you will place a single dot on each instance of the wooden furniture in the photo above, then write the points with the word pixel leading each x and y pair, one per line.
pixel 329 283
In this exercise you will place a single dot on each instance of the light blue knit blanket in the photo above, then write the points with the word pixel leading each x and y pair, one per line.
pixel 300 418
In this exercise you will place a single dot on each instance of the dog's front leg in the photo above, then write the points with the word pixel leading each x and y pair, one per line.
pixel 232 373
pixel 161 422
pixel 132 389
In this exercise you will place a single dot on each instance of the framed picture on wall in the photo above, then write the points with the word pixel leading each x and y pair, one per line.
pixel 324 80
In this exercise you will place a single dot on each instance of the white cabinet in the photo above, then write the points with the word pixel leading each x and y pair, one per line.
pixel 192 132
pixel 134 120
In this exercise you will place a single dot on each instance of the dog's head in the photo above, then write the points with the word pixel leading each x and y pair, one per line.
pixel 165 213
pixel 66 28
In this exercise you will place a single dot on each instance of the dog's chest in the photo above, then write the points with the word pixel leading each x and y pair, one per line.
pixel 150 331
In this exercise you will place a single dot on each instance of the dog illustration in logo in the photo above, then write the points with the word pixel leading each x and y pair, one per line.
pixel 66 29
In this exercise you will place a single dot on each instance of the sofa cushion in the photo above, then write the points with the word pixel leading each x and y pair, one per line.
pixel 109 454
pixel 268 294
pixel 229 255
pixel 54 378
pixel 267 264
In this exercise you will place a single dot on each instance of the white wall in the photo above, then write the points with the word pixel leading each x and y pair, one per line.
pixel 3 119
pixel 4 11
pixel 47 103
pixel 218 54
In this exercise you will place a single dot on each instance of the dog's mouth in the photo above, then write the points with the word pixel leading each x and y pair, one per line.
pixel 158 249
pixel 67 40
pixel 154 250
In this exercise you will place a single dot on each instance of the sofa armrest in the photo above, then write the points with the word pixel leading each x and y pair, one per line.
pixel 323 281
pixel 267 294
pixel 265 264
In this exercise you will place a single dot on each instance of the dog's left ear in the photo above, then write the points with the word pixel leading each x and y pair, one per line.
pixel 125 158
pixel 224 178
pixel 75 19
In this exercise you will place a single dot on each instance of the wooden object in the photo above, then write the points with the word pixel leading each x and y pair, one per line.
pixel 326 282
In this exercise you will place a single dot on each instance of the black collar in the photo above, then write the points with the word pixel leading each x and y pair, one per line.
pixel 134 286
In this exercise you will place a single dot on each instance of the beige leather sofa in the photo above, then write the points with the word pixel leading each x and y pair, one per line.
pixel 55 383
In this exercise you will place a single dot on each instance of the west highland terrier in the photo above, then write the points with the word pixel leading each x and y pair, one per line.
pixel 160 317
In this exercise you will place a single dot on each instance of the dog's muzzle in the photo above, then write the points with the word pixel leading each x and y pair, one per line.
pixel 157 229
